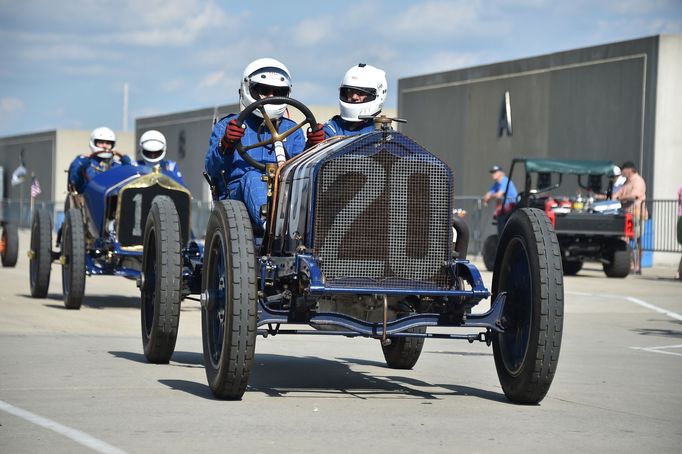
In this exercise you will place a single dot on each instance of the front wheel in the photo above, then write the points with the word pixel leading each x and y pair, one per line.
pixel 73 259
pixel 162 285
pixel 228 315
pixel 528 270
pixel 403 352
pixel 40 255
pixel 10 245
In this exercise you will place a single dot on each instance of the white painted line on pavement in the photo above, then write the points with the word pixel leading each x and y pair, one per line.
pixel 76 435
pixel 660 310
pixel 661 349
pixel 637 301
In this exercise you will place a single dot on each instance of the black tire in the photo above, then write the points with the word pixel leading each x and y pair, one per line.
pixel 229 292
pixel 528 269
pixel 618 265
pixel 40 261
pixel 73 259
pixel 572 267
pixel 403 352
pixel 161 290
pixel 489 251
pixel 10 238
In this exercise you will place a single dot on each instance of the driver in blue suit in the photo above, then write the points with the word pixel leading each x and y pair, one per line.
pixel 232 176
pixel 362 92
pixel 152 148
pixel 102 158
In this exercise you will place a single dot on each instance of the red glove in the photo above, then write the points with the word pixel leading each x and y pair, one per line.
pixel 233 134
pixel 315 136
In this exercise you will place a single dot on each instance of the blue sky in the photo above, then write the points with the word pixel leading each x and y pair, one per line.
pixel 63 64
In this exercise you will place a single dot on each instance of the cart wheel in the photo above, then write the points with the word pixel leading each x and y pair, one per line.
pixel 162 285
pixel 40 255
pixel 619 261
pixel 10 240
pixel 571 267
pixel 528 270
pixel 228 316
pixel 489 251
pixel 73 259
pixel 403 352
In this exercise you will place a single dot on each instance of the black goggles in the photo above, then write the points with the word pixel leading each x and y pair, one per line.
pixel 152 154
pixel 346 93
pixel 258 90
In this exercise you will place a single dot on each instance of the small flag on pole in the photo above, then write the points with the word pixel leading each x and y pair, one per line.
pixel 19 175
pixel 35 187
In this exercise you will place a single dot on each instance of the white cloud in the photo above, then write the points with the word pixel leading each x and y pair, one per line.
pixel 432 18
pixel 172 85
pixel 10 105
pixel 212 79
pixel 313 32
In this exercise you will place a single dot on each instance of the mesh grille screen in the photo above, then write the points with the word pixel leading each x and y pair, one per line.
pixel 382 216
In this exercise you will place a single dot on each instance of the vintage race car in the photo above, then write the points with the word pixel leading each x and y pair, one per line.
pixel 359 243
pixel 103 233
pixel 588 229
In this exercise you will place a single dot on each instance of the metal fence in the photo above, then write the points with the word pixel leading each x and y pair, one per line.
pixel 659 233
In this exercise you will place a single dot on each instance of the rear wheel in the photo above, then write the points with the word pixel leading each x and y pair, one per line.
pixel 618 261
pixel 40 255
pixel 528 270
pixel 571 267
pixel 73 259
pixel 228 316
pixel 489 251
pixel 403 352
pixel 10 242
pixel 162 285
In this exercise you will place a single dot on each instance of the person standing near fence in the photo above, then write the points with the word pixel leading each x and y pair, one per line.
pixel 632 196
pixel 679 228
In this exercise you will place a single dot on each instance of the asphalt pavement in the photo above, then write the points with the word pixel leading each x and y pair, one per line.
pixel 77 381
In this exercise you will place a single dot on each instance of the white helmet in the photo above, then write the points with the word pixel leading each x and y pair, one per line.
pixel 269 75
pixel 368 79
pixel 102 133
pixel 152 147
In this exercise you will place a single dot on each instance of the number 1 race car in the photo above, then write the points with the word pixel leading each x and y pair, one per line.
pixel 103 233
pixel 359 243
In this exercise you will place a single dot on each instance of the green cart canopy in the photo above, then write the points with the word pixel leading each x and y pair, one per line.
pixel 569 166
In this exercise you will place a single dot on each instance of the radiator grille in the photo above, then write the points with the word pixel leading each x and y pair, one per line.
pixel 382 215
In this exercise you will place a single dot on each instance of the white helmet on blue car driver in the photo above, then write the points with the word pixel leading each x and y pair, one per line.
pixel 371 82
pixel 152 147
pixel 102 134
pixel 261 78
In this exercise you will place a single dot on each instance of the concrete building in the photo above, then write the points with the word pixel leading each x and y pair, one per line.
pixel 616 101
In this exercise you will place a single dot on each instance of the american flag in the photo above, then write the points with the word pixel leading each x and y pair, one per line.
pixel 35 187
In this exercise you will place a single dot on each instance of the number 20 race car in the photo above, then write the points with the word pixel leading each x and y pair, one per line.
pixel 359 243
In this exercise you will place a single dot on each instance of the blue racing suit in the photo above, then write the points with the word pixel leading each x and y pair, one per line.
pixel 169 167
pixel 337 126
pixel 86 167
pixel 244 181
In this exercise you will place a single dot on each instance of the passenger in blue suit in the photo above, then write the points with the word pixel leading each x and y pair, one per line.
pixel 233 177
pixel 152 148
pixel 102 158
pixel 362 92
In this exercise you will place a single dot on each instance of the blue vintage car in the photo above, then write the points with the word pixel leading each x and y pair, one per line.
pixel 359 243
pixel 103 233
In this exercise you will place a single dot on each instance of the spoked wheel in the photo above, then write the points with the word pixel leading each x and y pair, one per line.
pixel 73 259
pixel 403 352
pixel 10 245
pixel 162 281
pixel 40 254
pixel 489 251
pixel 228 315
pixel 528 270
